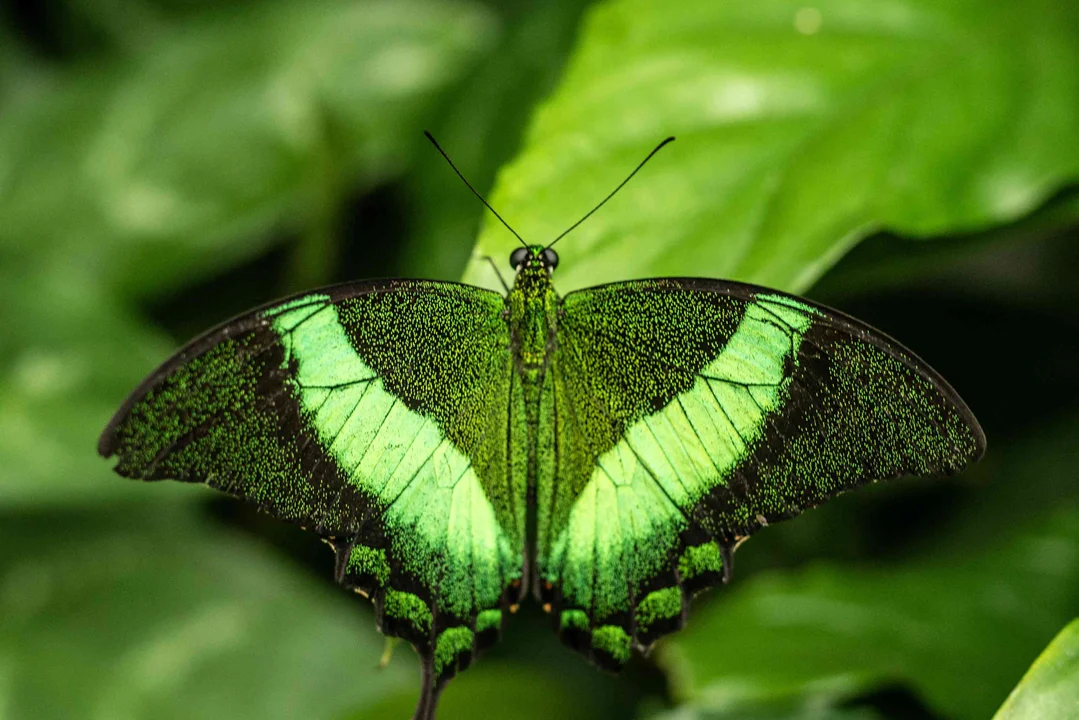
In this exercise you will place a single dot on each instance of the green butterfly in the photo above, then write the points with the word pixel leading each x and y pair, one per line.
pixel 605 451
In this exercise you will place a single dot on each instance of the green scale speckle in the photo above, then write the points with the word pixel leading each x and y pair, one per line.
pixel 613 641
pixel 697 560
pixel 665 604
pixel 489 620
pixel 452 642
pixel 364 560
pixel 409 608
pixel 573 620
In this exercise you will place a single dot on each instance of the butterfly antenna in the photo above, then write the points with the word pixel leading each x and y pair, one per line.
pixel 613 192
pixel 494 267
pixel 469 185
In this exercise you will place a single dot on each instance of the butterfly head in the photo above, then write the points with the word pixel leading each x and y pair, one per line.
pixel 534 256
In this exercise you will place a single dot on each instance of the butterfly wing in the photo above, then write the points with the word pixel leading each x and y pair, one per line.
pixel 686 414
pixel 374 414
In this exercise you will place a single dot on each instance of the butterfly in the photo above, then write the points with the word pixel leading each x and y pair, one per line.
pixel 604 451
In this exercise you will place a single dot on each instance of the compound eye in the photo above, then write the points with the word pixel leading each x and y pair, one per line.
pixel 550 258
pixel 518 258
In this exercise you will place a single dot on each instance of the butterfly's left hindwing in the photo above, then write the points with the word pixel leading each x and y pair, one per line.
pixel 685 415
pixel 375 414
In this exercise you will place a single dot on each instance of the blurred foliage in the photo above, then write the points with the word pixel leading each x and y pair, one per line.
pixel 163 617
pixel 179 159
pixel 167 163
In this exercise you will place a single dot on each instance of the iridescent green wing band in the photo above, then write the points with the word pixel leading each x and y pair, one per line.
pixel 686 414
pixel 376 414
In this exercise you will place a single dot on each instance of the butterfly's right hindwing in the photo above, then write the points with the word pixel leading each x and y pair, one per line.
pixel 375 415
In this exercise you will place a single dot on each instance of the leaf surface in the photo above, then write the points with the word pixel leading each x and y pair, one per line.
pixel 801 130
pixel 1050 689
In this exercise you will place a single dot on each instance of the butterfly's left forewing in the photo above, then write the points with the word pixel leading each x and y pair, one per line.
pixel 375 414
pixel 685 415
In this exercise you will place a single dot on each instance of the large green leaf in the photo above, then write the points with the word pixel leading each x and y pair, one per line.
pixel 150 172
pixel 1050 689
pixel 801 129
pixel 121 620
pixel 957 626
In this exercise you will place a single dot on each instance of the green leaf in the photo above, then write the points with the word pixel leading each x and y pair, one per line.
pixel 956 626
pixel 125 619
pixel 801 130
pixel 152 172
pixel 1050 689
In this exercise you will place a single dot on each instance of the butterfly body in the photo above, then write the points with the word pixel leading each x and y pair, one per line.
pixel 605 450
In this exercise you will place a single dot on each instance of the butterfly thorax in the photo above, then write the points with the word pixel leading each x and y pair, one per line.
pixel 533 312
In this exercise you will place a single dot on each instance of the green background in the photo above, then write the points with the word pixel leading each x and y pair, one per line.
pixel 165 164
